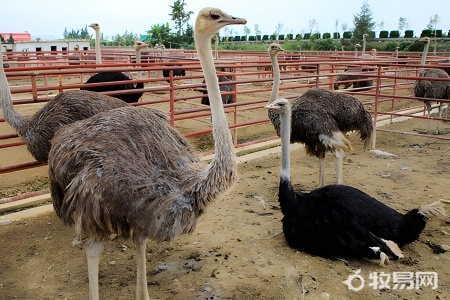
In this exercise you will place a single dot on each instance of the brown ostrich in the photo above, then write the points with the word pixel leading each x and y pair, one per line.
pixel 128 172
pixel 321 119
pixel 431 88
pixel 67 107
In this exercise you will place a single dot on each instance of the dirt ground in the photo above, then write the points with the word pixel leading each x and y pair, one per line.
pixel 238 250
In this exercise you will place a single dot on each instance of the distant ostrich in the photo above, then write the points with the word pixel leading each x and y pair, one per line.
pixel 431 88
pixel 216 46
pixel 107 76
pixel 226 99
pixel 362 84
pixel 128 172
pixel 363 51
pixel 357 46
pixel 176 72
pixel 339 220
pixel 67 107
pixel 321 118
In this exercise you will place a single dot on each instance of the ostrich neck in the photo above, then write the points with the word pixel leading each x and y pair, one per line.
pixel 276 78
pixel 285 145
pixel 216 45
pixel 221 172
pixel 138 61
pixel 424 57
pixel 98 52
pixel 15 120
pixel 364 47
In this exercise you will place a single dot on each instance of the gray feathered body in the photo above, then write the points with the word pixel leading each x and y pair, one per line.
pixel 432 88
pixel 226 99
pixel 320 112
pixel 67 107
pixel 129 172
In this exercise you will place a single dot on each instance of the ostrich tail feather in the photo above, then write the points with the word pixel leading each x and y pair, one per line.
pixel 433 209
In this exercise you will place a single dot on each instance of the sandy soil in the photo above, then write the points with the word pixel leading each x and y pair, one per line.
pixel 238 249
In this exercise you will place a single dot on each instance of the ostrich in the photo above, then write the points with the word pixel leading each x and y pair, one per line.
pixel 115 76
pixel 339 220
pixel 362 84
pixel 176 73
pixel 363 51
pixel 67 107
pixel 216 46
pixel 226 99
pixel 128 172
pixel 321 118
pixel 431 88
pixel 357 46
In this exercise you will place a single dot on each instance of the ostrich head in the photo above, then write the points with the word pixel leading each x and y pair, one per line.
pixel 211 20
pixel 138 45
pixel 274 49
pixel 280 105
pixel 357 46
pixel 95 26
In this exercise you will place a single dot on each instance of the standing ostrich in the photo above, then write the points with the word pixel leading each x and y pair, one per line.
pixel 357 46
pixel 128 172
pixel 431 88
pixel 67 107
pixel 363 51
pixel 339 220
pixel 176 73
pixel 321 118
pixel 115 76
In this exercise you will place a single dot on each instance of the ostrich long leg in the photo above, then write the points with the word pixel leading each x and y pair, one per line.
pixel 93 251
pixel 141 282
pixel 321 171
pixel 340 162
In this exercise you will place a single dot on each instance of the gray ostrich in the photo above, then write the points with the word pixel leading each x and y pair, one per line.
pixel 67 107
pixel 431 88
pixel 128 172
pixel 320 120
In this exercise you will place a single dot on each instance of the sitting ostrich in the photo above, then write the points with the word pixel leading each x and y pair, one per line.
pixel 107 76
pixel 67 107
pixel 226 99
pixel 339 220
pixel 362 84
pixel 128 172
pixel 431 88
pixel 176 73
pixel 321 119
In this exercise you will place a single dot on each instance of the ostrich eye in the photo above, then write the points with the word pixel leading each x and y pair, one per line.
pixel 215 17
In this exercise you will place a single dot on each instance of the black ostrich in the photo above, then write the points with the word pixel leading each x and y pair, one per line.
pixel 362 84
pixel 431 88
pixel 176 73
pixel 226 99
pixel 339 220
pixel 103 77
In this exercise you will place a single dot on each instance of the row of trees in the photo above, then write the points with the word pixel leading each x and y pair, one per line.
pixel 182 35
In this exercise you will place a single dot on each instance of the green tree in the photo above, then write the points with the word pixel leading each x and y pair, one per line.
pixel 159 34
pixel 246 31
pixel 179 16
pixel 10 39
pixel 363 22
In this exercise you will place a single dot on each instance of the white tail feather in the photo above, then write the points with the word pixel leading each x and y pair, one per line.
pixel 394 248
pixel 433 209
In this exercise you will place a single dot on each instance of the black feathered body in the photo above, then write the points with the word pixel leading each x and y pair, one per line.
pixel 362 82
pixel 176 73
pixel 113 77
pixel 321 112
pixel 130 174
pixel 339 220
pixel 67 107
pixel 226 99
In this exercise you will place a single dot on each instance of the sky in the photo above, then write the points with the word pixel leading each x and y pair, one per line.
pixel 47 19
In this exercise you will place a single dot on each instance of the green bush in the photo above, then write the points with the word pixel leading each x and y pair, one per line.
pixel 273 37
pixel 251 38
pixel 384 34
pixel 265 37
pixel 316 36
pixel 394 34
pixel 258 37
pixel 426 33
pixel 409 33
pixel 347 35
pixel 281 36
pixel 307 36
pixel 438 33
pixel 326 35
pixel 372 34
pixel 237 38
pixel 289 36
pixel 298 36
pixel 336 35
pixel 243 38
